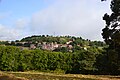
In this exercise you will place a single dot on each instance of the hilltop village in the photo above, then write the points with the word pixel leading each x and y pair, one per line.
pixel 68 54
pixel 44 45
pixel 58 43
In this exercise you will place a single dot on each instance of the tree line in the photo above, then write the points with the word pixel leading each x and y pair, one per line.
pixel 14 59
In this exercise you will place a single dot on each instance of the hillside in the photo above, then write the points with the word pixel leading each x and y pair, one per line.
pixel 57 43
pixel 47 53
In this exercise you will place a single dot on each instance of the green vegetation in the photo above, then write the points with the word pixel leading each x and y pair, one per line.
pixel 58 43
pixel 72 55
pixel 111 35
pixel 14 59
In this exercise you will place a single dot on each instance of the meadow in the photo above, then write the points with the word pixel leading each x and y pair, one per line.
pixel 52 76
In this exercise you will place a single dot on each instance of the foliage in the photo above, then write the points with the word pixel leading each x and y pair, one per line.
pixel 61 40
pixel 111 35
pixel 80 58
pixel 14 59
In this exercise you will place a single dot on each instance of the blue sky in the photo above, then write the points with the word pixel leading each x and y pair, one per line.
pixel 20 18
pixel 15 9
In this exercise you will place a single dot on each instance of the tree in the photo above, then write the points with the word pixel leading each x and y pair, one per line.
pixel 111 35
pixel 8 58
pixel 39 60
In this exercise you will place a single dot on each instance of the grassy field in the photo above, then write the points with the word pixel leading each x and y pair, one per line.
pixel 6 76
pixel 53 76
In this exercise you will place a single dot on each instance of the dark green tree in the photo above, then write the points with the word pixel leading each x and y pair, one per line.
pixel 111 35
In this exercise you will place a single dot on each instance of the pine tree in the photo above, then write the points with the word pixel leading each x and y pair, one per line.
pixel 111 35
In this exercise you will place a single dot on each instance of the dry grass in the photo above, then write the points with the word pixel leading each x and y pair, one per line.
pixel 5 76
pixel 53 76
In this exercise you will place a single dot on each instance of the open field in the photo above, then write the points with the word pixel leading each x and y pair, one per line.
pixel 5 76
pixel 53 76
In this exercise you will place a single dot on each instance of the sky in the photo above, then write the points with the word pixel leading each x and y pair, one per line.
pixel 81 18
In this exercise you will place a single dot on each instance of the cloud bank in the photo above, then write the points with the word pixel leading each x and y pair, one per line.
pixel 8 34
pixel 68 17
pixel 63 17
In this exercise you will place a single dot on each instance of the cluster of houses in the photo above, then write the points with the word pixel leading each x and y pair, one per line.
pixel 49 46
pixel 45 45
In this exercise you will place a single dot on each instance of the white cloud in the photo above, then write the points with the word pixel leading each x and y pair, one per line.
pixel 8 34
pixel 18 30
pixel 64 17
pixel 71 17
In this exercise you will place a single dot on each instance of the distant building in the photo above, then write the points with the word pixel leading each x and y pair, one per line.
pixel 70 46
pixel 32 46
pixel 49 46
